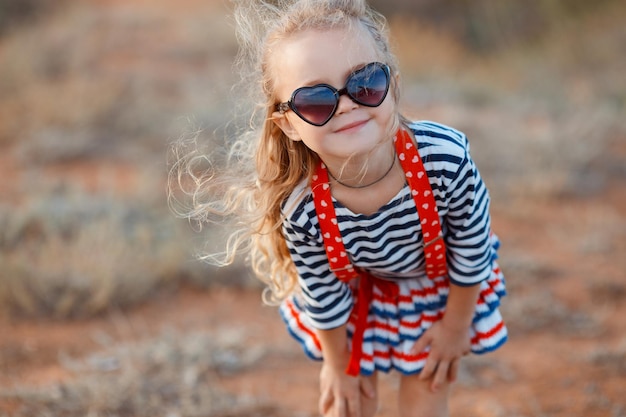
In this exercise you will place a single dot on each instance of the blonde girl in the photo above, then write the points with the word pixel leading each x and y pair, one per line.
pixel 370 230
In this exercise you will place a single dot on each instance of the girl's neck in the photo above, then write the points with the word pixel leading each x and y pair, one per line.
pixel 370 200
pixel 366 171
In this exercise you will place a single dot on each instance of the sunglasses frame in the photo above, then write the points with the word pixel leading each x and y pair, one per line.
pixel 282 108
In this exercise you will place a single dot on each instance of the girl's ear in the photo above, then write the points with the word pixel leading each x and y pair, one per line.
pixel 285 125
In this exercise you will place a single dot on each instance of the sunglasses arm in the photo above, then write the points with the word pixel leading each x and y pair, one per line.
pixel 282 108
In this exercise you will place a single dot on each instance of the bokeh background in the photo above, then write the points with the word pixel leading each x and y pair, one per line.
pixel 93 92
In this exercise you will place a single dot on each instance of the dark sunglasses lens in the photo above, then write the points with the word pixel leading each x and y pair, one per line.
pixel 315 104
pixel 369 85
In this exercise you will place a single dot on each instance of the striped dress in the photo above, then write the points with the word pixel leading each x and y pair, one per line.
pixel 389 245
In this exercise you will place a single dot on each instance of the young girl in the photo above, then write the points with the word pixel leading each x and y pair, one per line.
pixel 372 231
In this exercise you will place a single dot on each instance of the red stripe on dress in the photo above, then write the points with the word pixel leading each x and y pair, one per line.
pixel 378 354
pixel 486 293
pixel 410 358
pixel 384 326
pixel 395 354
pixel 429 318
pixel 486 335
pixel 424 292
pixel 296 317
pixel 494 282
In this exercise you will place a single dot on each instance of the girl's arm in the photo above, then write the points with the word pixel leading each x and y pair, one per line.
pixel 338 389
pixel 461 306
pixel 449 338
pixel 465 211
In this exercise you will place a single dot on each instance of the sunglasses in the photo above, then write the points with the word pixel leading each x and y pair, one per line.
pixel 316 105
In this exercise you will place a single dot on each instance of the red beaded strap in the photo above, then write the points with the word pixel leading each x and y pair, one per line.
pixel 434 247
pixel 338 260
pixel 335 250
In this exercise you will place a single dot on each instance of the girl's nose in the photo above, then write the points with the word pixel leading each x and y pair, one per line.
pixel 345 104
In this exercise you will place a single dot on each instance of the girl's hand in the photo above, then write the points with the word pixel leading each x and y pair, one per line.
pixel 447 345
pixel 341 393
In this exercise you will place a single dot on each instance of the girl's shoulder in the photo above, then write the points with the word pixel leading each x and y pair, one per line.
pixel 442 147
pixel 440 138
pixel 299 202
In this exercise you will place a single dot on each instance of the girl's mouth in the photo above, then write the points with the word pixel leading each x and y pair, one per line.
pixel 351 126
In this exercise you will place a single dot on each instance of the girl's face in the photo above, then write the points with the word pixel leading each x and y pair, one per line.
pixel 328 57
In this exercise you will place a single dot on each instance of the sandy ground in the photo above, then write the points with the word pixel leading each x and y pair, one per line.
pixel 566 355
pixel 563 257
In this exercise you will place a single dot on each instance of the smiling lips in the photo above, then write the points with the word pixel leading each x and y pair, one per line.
pixel 351 126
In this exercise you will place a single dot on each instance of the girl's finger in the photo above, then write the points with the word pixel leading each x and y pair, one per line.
pixel 367 388
pixel 354 407
pixel 429 368
pixel 454 370
pixel 325 403
pixel 342 409
pixel 421 344
pixel 441 375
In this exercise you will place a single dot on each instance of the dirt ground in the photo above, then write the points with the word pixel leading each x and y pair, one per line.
pixel 563 257
pixel 566 355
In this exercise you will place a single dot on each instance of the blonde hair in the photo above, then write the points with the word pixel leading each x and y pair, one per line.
pixel 265 164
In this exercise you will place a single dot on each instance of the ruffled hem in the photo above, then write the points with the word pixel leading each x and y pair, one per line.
pixel 398 318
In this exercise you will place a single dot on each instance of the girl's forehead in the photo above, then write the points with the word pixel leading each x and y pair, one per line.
pixel 317 56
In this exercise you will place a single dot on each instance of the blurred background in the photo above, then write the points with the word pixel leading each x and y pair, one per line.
pixel 92 93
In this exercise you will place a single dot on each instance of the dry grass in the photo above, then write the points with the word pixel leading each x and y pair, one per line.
pixel 72 254
pixel 171 375
pixel 90 81
pixel 540 115
pixel 544 112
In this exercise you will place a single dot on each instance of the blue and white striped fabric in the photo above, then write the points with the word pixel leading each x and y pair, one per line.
pixel 389 244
